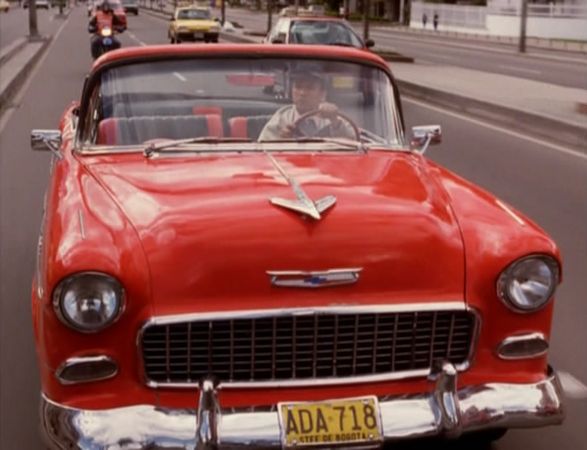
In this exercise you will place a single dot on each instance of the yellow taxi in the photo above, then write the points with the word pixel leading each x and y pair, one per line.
pixel 193 23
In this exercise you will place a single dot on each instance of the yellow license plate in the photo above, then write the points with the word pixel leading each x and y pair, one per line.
pixel 333 422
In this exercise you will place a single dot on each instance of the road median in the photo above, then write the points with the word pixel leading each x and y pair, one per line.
pixel 16 68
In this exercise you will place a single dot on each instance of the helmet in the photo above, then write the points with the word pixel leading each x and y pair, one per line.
pixel 105 6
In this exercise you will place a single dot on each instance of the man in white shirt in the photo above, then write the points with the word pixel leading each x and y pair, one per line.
pixel 308 94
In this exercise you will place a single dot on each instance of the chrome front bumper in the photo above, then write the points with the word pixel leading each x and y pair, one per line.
pixel 446 411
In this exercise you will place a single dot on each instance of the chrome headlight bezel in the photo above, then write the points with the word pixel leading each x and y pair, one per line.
pixel 505 288
pixel 69 283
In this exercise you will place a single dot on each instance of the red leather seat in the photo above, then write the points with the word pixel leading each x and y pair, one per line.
pixel 247 127
pixel 136 130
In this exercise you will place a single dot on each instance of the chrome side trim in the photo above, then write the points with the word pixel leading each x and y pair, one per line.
pixel 469 408
pixel 70 362
pixel 82 227
pixel 521 338
pixel 314 279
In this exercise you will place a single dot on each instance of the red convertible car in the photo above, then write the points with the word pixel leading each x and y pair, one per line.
pixel 241 248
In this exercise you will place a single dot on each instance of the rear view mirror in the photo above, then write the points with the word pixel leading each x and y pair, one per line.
pixel 423 136
pixel 43 140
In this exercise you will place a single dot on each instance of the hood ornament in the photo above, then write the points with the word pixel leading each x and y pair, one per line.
pixel 303 204
pixel 314 279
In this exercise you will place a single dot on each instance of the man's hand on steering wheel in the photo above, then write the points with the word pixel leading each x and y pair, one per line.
pixel 328 111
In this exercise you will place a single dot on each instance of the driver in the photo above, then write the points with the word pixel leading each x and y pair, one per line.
pixel 104 17
pixel 308 94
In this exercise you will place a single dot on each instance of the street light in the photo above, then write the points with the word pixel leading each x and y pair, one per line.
pixel 33 29
pixel 523 20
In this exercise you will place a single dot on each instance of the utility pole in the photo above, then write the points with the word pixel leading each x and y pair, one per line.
pixel 269 15
pixel 366 10
pixel 222 12
pixel 33 30
pixel 523 20
pixel 296 7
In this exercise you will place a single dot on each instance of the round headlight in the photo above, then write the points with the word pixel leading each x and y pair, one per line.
pixel 528 284
pixel 89 301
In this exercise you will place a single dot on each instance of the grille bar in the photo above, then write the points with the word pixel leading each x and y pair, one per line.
pixel 321 345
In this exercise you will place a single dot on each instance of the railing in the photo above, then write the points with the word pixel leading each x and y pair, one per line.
pixel 558 10
pixel 464 16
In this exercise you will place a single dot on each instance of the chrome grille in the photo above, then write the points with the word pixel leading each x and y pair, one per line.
pixel 305 347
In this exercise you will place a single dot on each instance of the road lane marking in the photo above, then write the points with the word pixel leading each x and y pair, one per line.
pixel 136 39
pixel 520 69
pixel 573 387
pixel 180 76
pixel 516 134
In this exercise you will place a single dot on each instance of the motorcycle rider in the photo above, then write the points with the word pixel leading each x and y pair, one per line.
pixel 103 18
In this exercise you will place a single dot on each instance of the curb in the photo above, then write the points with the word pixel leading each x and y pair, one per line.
pixel 247 38
pixel 547 128
pixel 21 76
pixel 11 49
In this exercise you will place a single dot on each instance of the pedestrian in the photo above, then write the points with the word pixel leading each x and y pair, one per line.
pixel 424 20
pixel 435 21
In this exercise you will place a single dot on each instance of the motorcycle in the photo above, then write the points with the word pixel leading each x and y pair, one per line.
pixel 103 42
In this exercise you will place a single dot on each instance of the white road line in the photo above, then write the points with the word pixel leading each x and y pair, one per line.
pixel 520 69
pixel 516 134
pixel 572 386
pixel 180 76
pixel 136 39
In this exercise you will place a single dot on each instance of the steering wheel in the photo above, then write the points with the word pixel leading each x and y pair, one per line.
pixel 297 123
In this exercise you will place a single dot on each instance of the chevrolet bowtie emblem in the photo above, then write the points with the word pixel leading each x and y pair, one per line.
pixel 315 279
pixel 303 204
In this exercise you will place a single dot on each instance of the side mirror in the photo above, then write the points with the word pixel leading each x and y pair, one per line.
pixel 423 136
pixel 369 43
pixel 43 140
pixel 279 39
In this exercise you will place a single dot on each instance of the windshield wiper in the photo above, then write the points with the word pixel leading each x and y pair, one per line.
pixel 356 145
pixel 152 148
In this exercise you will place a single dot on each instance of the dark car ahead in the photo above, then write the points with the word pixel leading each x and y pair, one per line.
pixel 131 6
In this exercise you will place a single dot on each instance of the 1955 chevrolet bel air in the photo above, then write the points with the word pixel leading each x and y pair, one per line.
pixel 241 248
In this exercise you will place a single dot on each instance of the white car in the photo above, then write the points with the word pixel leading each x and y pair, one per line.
pixel 39 4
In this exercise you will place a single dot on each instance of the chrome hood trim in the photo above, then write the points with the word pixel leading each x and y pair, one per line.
pixel 303 204
pixel 314 279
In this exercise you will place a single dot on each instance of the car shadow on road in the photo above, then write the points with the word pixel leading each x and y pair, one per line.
pixel 465 443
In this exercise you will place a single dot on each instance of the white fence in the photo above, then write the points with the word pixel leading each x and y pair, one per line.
pixel 559 10
pixel 449 15
pixel 550 21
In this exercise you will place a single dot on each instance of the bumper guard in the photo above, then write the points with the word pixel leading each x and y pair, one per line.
pixel 446 411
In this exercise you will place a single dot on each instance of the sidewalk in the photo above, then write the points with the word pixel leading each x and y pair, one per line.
pixel 453 34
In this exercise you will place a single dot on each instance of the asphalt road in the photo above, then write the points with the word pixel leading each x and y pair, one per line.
pixel 544 182
pixel 562 68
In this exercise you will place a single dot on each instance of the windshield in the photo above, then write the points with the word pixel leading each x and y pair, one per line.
pixel 193 14
pixel 258 100
pixel 323 33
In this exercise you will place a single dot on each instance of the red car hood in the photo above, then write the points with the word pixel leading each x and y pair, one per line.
pixel 210 232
